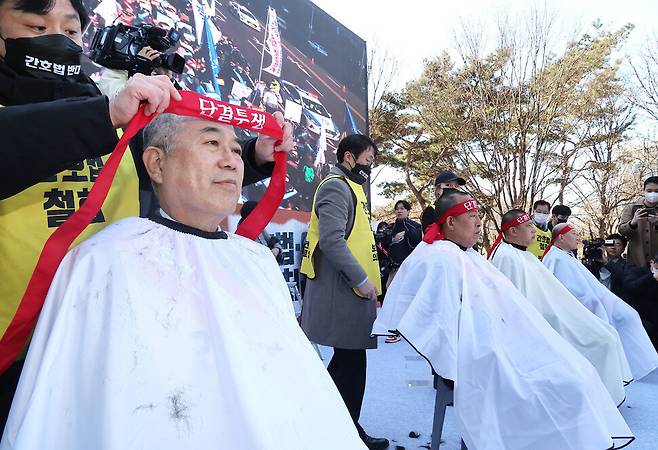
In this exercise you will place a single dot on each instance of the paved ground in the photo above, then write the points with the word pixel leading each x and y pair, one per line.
pixel 400 398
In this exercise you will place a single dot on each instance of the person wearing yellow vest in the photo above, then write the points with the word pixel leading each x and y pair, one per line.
pixel 56 128
pixel 540 217
pixel 342 270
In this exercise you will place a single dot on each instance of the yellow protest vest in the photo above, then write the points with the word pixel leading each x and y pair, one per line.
pixel 360 241
pixel 28 218
pixel 540 242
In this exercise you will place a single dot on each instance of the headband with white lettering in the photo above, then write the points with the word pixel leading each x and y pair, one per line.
pixel 520 220
pixel 564 230
pixel 55 248
pixel 434 233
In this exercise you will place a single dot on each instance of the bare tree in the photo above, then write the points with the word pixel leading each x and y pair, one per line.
pixel 517 120
pixel 645 69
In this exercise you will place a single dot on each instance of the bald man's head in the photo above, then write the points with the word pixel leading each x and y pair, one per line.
pixel 462 229
pixel 566 241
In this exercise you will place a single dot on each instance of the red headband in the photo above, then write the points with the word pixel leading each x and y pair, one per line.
pixel 520 220
pixel 55 248
pixel 433 232
pixel 564 230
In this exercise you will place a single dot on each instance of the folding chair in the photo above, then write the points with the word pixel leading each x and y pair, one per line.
pixel 444 396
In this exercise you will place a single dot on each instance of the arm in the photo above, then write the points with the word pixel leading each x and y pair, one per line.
pixel 639 282
pixel 415 235
pixel 253 172
pixel 258 154
pixel 625 227
pixel 60 134
pixel 333 207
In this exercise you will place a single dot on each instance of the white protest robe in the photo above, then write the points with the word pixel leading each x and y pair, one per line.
pixel 165 338
pixel 594 338
pixel 641 355
pixel 518 384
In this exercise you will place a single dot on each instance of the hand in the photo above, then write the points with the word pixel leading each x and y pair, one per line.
pixel 639 215
pixel 276 251
pixel 148 53
pixel 265 145
pixel 653 267
pixel 369 290
pixel 652 219
pixel 156 91
pixel 398 237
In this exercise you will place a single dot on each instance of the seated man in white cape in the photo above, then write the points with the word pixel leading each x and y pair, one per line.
pixel 518 384
pixel 158 333
pixel 594 338
pixel 598 299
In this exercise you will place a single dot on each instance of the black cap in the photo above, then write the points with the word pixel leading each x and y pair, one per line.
pixel 447 177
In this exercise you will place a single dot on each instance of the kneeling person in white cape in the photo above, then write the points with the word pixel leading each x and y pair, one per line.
pixel 641 354
pixel 518 384
pixel 594 338
pixel 168 333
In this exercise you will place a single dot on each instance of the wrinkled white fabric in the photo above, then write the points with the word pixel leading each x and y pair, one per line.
pixel 641 354
pixel 518 384
pixel 594 338
pixel 152 338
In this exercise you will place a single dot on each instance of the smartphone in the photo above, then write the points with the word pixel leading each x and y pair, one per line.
pixel 650 211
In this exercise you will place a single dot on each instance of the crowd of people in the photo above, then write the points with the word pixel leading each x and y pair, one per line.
pixel 161 330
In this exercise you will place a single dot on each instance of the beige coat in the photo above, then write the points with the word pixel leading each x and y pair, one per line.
pixel 642 240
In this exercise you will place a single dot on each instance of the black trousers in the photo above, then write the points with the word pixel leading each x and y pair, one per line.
pixel 8 384
pixel 348 370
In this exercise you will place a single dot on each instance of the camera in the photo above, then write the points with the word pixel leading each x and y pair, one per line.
pixel 385 233
pixel 593 249
pixel 117 47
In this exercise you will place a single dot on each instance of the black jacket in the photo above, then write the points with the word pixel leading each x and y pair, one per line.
pixel 49 126
pixel 636 286
pixel 413 234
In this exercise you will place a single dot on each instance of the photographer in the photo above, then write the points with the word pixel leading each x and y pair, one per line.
pixel 597 253
pixel 637 286
pixel 54 115
pixel 404 236
pixel 639 224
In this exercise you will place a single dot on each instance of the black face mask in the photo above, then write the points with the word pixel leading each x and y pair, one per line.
pixel 49 57
pixel 361 171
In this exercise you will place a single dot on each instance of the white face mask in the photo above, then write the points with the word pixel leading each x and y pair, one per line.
pixel 540 218
pixel 654 270
pixel 651 197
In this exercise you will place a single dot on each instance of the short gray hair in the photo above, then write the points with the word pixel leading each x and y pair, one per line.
pixel 163 132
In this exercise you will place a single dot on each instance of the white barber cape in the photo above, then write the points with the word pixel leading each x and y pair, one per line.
pixel 641 355
pixel 594 338
pixel 518 384
pixel 165 337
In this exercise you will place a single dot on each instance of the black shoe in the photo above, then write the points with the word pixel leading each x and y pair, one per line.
pixel 374 443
